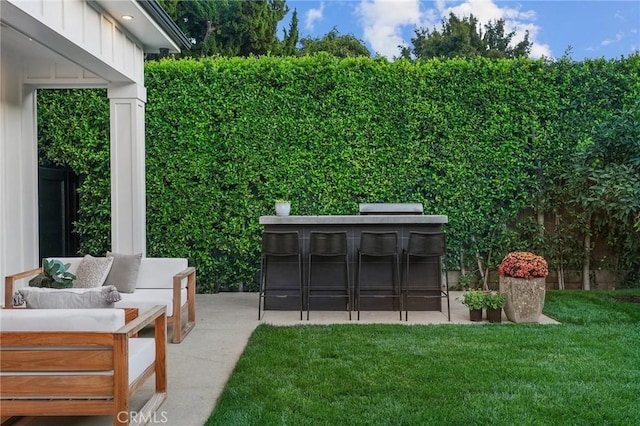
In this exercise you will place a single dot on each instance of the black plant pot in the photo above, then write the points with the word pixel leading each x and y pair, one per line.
pixel 475 314
pixel 494 315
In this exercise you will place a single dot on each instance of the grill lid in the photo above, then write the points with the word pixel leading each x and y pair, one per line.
pixel 391 209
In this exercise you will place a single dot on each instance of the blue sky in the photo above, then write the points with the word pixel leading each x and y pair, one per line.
pixel 593 28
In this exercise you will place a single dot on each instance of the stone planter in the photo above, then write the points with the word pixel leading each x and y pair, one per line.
pixel 525 298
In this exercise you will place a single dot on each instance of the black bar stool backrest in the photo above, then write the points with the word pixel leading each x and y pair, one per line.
pixel 280 243
pixel 328 243
pixel 426 244
pixel 378 243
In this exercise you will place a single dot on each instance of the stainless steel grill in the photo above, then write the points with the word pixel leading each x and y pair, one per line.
pixel 391 209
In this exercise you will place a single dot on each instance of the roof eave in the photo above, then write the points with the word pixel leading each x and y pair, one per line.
pixel 153 8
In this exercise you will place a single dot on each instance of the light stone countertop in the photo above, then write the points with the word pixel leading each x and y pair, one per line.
pixel 353 220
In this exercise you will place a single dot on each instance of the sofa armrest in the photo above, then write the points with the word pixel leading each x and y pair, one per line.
pixel 190 274
pixel 158 316
pixel 178 331
pixel 151 316
pixel 185 273
pixel 9 284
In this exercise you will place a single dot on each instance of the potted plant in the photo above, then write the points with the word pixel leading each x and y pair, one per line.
pixel 474 300
pixel 494 301
pixel 283 207
pixel 54 275
pixel 522 280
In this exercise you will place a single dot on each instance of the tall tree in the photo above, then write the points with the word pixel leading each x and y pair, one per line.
pixel 341 46
pixel 256 27
pixel 463 38
pixel 498 45
pixel 291 37
pixel 200 20
pixel 229 27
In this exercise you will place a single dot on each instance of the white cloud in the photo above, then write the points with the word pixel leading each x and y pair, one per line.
pixel 539 50
pixel 484 10
pixel 383 20
pixel 619 37
pixel 313 15
pixel 609 41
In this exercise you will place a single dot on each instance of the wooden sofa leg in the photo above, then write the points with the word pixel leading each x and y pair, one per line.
pixel 160 395
pixel 191 299
pixel 176 325
pixel 179 332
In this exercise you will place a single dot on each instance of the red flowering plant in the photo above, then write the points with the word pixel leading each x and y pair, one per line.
pixel 522 264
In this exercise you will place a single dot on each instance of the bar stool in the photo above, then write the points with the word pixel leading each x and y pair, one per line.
pixel 379 245
pixel 325 245
pixel 428 246
pixel 279 245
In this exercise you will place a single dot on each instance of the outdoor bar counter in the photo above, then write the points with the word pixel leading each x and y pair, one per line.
pixel 377 272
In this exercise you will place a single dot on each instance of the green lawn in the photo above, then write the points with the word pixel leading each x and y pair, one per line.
pixel 586 371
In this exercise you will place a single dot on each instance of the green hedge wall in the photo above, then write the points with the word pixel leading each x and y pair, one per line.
pixel 475 140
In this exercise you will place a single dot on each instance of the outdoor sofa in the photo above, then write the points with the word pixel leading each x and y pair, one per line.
pixel 157 281
pixel 80 362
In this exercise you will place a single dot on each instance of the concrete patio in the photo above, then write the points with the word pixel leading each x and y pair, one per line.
pixel 200 366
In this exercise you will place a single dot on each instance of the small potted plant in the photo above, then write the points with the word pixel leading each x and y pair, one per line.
pixel 283 207
pixel 474 300
pixel 522 280
pixel 54 275
pixel 494 301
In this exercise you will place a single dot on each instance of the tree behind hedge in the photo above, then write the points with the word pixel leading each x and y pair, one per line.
pixel 232 27
pixel 340 46
pixel 462 38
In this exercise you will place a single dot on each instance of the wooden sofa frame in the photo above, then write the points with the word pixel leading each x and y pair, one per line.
pixel 179 331
pixel 48 389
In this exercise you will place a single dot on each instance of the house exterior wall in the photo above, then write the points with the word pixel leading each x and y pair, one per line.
pixel 18 170
pixel 72 44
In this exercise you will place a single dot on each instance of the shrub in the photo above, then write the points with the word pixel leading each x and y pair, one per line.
pixel 227 136
pixel 522 264
pixel 494 300
pixel 473 299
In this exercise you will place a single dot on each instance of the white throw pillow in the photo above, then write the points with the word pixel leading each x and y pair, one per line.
pixel 92 271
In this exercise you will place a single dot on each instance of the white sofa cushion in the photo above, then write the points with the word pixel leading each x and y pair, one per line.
pixel 158 272
pixel 154 284
pixel 142 353
pixel 146 298
pixel 154 272
pixel 61 319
